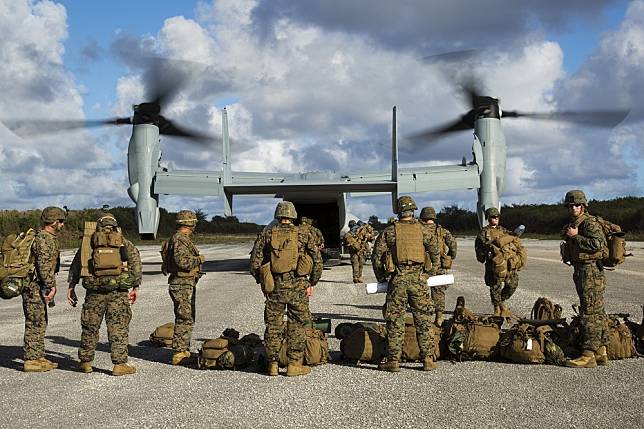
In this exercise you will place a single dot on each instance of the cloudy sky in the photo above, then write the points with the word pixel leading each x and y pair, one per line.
pixel 309 86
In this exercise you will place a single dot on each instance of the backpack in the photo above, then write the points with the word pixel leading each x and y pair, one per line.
pixel 544 309
pixel 316 348
pixel 471 337
pixel 364 344
pixel 621 344
pixel 162 335
pixel 615 241
pixel 522 344
pixel 411 349
pixel 228 351
pixel 107 247
pixel 508 254
pixel 284 249
pixel 17 269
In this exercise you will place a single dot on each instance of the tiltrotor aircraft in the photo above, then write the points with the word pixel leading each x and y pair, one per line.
pixel 321 195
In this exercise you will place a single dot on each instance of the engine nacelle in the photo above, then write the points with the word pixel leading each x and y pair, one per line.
pixel 143 156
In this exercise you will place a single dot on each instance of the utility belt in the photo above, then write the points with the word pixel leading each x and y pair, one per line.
pixel 284 277
pixel 410 266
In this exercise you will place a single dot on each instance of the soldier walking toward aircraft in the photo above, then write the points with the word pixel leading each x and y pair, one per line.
pixel 111 280
pixel 286 261
pixel 307 224
pixel 584 248
pixel 184 266
pixel 403 247
pixel 499 276
pixel 356 251
pixel 447 248
pixel 38 293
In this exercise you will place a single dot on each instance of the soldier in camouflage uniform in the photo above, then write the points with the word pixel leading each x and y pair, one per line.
pixel 500 289
pixel 584 248
pixel 447 247
pixel 292 286
pixel 400 255
pixel 356 253
pixel 307 224
pixel 41 290
pixel 184 267
pixel 109 297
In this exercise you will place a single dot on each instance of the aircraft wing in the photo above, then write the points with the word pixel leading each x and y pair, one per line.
pixel 426 179
pixel 212 183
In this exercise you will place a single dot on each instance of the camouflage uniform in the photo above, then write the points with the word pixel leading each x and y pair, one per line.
pixel 590 283
pixel 46 254
pixel 408 284
pixel 107 297
pixel 356 255
pixel 185 257
pixel 289 295
pixel 447 247
pixel 307 226
pixel 500 289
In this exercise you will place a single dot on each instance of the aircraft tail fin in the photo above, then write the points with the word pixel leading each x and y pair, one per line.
pixel 394 159
pixel 227 174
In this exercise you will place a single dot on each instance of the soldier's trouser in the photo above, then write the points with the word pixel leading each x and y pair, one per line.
pixel 501 290
pixel 115 307
pixel 183 296
pixel 35 311
pixel 590 283
pixel 296 304
pixel 408 287
pixel 357 260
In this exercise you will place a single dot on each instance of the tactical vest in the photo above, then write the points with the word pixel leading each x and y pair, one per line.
pixel 572 251
pixel 106 253
pixel 284 249
pixel 409 248
pixel 17 268
pixel 168 264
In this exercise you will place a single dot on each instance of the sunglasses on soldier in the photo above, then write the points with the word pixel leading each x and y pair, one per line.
pixel 494 217
pixel 575 205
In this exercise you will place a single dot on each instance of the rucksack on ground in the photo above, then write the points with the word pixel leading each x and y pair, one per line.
pixel 228 351
pixel 162 335
pixel 471 337
pixel 17 268
pixel 621 344
pixel 522 344
pixel 316 348
pixel 411 349
pixel 364 344
pixel 544 309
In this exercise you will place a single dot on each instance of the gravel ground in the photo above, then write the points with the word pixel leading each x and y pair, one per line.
pixel 470 394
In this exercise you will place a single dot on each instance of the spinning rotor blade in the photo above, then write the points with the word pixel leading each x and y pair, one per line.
pixel 166 77
pixel 30 127
pixel 595 118
pixel 465 122
pixel 169 128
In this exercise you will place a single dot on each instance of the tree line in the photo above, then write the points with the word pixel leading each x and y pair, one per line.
pixel 15 221
pixel 546 219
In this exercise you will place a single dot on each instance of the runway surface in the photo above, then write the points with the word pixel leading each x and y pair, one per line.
pixel 469 394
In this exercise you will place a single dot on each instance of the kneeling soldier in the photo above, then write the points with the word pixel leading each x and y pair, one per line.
pixel 110 268
pixel 286 261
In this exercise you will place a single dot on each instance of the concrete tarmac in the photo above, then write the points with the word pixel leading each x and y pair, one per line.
pixel 468 394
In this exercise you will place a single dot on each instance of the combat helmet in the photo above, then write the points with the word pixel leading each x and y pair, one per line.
pixel 305 221
pixel 352 223
pixel 492 211
pixel 106 219
pixel 285 209
pixel 575 197
pixel 428 213
pixel 186 218
pixel 405 203
pixel 51 214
